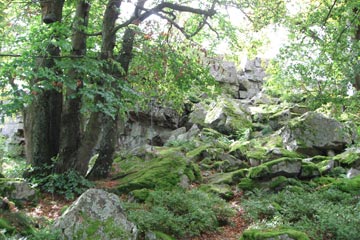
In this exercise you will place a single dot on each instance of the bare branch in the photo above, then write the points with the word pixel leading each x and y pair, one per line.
pixel 159 8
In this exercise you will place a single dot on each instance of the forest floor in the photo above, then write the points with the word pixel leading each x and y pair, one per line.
pixel 50 207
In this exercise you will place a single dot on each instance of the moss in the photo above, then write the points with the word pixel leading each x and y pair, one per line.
pixel 98 229
pixel 259 172
pixel 257 154
pixel 349 158
pixel 238 175
pixel 322 181
pixel 319 158
pixel 141 194
pixel 263 171
pixel 222 190
pixel 351 185
pixel 309 170
pixel 247 184
pixel 242 146
pixel 197 151
pixel 324 166
pixel 162 172
pixel 281 182
pixel 221 178
pixel 192 171
pixel 163 236
pixel 258 234
pixel 221 165
pixel 212 133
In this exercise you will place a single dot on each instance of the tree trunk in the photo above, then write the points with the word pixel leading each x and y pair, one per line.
pixel 42 116
pixel 103 163
pixel 357 71
pixel 71 116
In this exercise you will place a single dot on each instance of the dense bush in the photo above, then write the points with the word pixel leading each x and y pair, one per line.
pixel 324 214
pixel 179 213
pixel 69 184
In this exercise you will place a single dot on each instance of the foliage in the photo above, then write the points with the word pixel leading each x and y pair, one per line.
pixel 69 184
pixel 45 234
pixel 179 213
pixel 320 63
pixel 325 214
pixel 95 229
pixel 12 164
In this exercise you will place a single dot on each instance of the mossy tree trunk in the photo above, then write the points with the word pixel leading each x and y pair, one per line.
pixel 42 116
pixel 356 43
pixel 71 133
pixel 108 142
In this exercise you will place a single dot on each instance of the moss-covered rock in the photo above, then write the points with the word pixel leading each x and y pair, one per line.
pixel 221 178
pixel 279 183
pixel 222 190
pixel 309 170
pixel 164 171
pixel 349 158
pixel 227 116
pixel 96 214
pixel 247 184
pixel 289 167
pixel 273 234
pixel 314 134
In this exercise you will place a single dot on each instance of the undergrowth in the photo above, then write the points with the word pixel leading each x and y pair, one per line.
pixel 69 184
pixel 179 213
pixel 323 214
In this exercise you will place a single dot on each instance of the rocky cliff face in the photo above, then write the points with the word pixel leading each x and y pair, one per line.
pixel 155 126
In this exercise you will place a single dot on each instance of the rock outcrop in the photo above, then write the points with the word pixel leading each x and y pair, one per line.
pixel 315 134
pixel 240 84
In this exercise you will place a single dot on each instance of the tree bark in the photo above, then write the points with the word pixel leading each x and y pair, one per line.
pixel 42 116
pixel 357 72
pixel 71 116
pixel 108 142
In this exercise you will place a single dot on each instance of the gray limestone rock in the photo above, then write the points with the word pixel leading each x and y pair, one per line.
pixel 314 134
pixel 96 214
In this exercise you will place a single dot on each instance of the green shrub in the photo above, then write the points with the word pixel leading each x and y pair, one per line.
pixel 69 184
pixel 325 214
pixel 179 213
pixel 45 234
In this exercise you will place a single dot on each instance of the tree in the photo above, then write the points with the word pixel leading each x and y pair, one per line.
pixel 322 57
pixel 82 77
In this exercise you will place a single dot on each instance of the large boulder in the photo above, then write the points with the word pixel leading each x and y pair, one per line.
pixel 315 134
pixel 225 115
pixel 165 168
pixel 96 214
pixel 289 167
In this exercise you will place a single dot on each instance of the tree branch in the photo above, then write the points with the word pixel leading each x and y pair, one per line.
pixel 208 13
pixel 329 13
